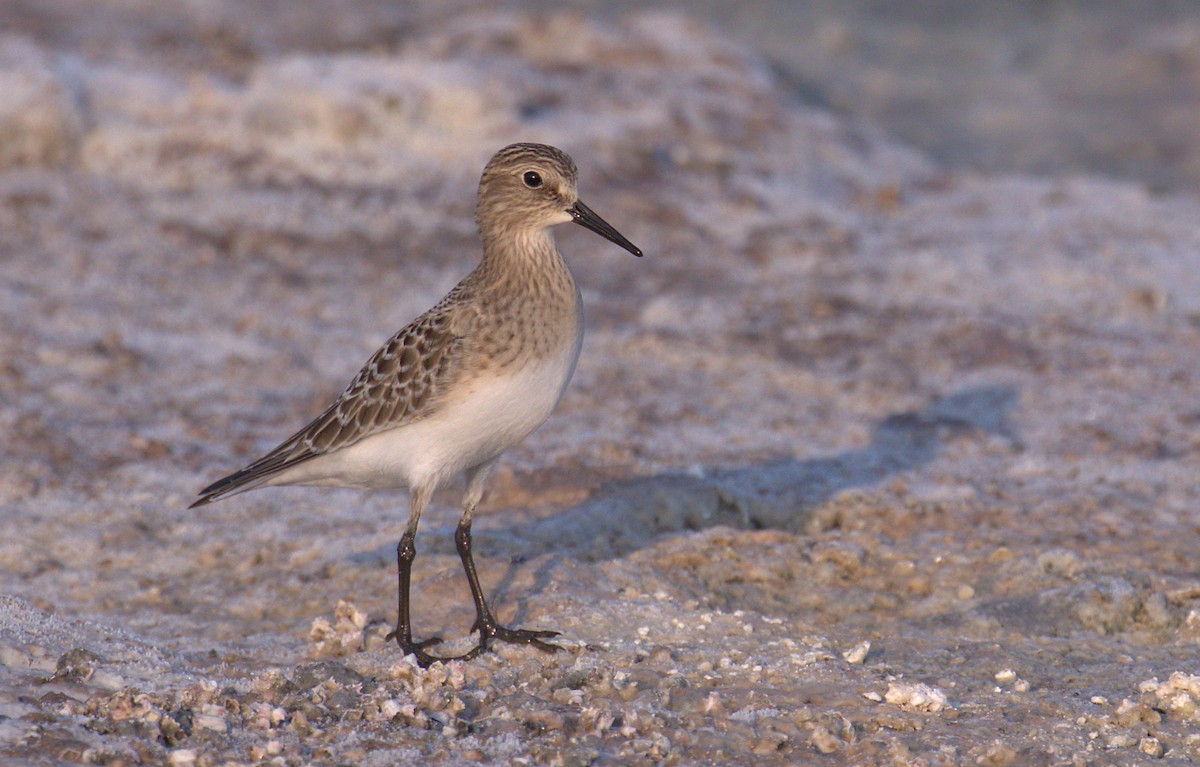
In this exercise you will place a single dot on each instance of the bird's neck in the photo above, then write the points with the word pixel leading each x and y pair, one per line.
pixel 527 256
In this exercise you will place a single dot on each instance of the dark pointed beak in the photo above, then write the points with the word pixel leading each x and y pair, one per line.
pixel 587 218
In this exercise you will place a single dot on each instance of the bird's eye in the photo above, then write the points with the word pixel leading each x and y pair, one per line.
pixel 532 179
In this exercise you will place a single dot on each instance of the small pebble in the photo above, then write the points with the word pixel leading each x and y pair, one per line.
pixel 390 708
pixel 915 697
pixel 857 653
pixel 210 722
pixel 181 757
pixel 824 741
pixel 1151 746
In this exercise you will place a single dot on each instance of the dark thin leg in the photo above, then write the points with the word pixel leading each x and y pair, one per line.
pixel 462 541
pixel 406 552
pixel 485 623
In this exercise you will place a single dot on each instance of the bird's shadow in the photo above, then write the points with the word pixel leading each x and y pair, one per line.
pixel 621 517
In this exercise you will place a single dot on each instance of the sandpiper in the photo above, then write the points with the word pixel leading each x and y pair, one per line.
pixel 463 382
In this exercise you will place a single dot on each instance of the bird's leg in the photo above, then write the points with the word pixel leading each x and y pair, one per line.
pixel 462 542
pixel 485 622
pixel 406 552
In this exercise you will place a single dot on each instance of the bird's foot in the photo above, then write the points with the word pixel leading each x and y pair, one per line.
pixel 417 649
pixel 489 630
pixel 409 643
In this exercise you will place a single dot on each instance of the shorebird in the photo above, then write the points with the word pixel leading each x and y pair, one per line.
pixel 460 384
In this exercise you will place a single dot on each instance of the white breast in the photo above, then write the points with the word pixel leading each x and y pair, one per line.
pixel 473 425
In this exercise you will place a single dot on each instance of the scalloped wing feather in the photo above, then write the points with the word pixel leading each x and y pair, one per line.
pixel 399 384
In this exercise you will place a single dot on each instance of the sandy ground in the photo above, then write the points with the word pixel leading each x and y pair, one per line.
pixel 867 462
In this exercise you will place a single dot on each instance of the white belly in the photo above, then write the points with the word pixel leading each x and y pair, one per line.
pixel 474 425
